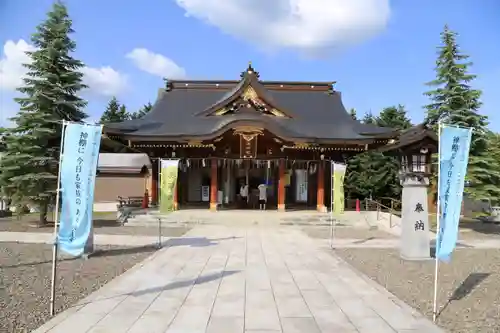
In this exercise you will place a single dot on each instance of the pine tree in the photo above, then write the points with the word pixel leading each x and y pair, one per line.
pixel 374 174
pixel 455 102
pixel 385 167
pixel 114 112
pixel 122 112
pixel 394 117
pixel 30 162
pixel 3 140
pixel 142 112
pixel 353 113
pixel 368 118
pixel 358 183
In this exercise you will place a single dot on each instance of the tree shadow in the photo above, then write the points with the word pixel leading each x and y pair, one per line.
pixel 97 253
pixel 361 241
pixel 466 288
pixel 170 286
pixel 195 241
pixel 124 251
pixel 184 241
pixel 459 245
pixel 35 263
pixel 105 223
pixel 483 226
pixel 184 283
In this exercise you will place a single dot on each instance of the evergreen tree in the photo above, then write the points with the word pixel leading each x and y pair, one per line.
pixel 142 112
pixel 368 118
pixel 384 167
pixel 394 117
pixel 114 112
pixel 353 114
pixel 455 102
pixel 3 140
pixel 30 162
pixel 374 174
pixel 122 112
pixel 493 157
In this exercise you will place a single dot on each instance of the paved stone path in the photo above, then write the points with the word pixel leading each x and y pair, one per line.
pixel 228 280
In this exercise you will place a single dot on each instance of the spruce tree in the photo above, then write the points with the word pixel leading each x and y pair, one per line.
pixel 358 181
pixel 394 117
pixel 50 95
pixel 374 174
pixel 385 168
pixel 353 113
pixel 142 112
pixel 114 112
pixel 455 102
pixel 368 118
pixel 122 113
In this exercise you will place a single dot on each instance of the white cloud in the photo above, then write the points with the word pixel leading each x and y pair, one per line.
pixel 11 64
pixel 104 81
pixel 310 26
pixel 8 109
pixel 156 64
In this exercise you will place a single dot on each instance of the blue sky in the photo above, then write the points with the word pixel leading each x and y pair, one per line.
pixel 379 57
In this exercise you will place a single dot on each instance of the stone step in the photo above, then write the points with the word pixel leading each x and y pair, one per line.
pixel 196 217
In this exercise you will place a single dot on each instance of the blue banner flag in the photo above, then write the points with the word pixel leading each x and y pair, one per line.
pixel 454 145
pixel 77 169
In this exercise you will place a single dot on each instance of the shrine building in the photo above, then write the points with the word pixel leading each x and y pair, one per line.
pixel 225 133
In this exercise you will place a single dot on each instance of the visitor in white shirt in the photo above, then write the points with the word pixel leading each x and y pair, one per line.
pixel 262 196
pixel 244 193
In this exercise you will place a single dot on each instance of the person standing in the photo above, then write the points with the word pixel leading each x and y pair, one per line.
pixel 244 194
pixel 262 196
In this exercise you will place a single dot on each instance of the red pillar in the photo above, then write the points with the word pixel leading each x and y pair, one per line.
pixel 281 186
pixel 213 186
pixel 320 196
pixel 154 181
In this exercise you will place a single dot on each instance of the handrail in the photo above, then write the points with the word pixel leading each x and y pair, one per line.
pixel 394 202
pixel 379 206
pixel 392 199
pixel 378 203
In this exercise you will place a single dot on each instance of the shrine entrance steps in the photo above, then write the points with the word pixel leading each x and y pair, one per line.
pixel 151 218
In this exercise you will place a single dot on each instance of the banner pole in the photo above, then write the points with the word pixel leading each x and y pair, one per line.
pixel 158 185
pixel 331 204
pixel 438 220
pixel 56 220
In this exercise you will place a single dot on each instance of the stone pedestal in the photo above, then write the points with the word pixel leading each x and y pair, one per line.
pixel 415 240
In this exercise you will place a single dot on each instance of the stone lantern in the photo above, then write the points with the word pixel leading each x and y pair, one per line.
pixel 415 147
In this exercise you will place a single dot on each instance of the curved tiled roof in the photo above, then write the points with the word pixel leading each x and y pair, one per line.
pixel 316 113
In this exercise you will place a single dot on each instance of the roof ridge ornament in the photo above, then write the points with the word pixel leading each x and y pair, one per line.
pixel 331 90
pixel 250 71
pixel 168 84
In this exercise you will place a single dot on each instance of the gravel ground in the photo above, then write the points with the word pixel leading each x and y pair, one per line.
pixel 346 232
pixel 101 226
pixel 469 286
pixel 479 230
pixel 25 278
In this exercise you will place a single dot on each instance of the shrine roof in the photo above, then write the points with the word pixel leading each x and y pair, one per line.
pixel 309 111
pixel 413 135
